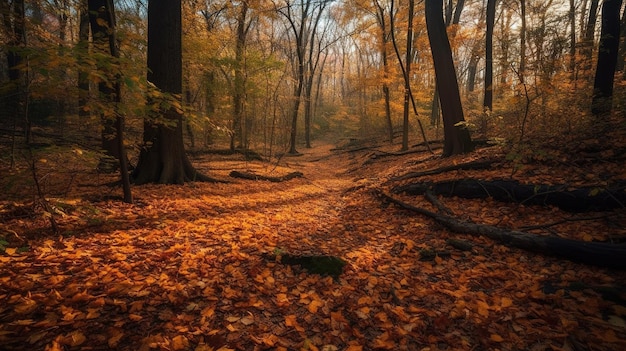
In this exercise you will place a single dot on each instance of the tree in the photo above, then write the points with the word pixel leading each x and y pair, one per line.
pixel 162 158
pixel 384 42
pixel 456 136
pixel 522 53
pixel 243 26
pixel 302 21
pixel 102 20
pixel 607 59
pixel 14 23
pixel 450 20
pixel 589 33
pixel 491 16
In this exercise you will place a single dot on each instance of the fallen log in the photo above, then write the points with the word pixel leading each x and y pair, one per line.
pixel 592 253
pixel 473 165
pixel 253 176
pixel 583 199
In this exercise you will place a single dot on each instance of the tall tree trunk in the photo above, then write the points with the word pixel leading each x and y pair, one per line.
pixel 491 16
pixel 621 59
pixel 452 19
pixel 384 42
pixel 15 27
pixel 607 59
pixel 472 69
pixel 407 76
pixel 522 59
pixel 572 38
pixel 163 158
pixel 83 49
pixel 103 42
pixel 103 26
pixel 456 136
pixel 587 43
pixel 237 134
pixel 313 59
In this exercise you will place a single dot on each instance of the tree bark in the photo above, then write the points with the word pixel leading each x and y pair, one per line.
pixel 491 16
pixel 407 76
pixel 607 59
pixel 456 136
pixel 163 158
pixel 384 41
pixel 103 27
pixel 522 59
pixel 83 46
pixel 237 138
pixel 590 28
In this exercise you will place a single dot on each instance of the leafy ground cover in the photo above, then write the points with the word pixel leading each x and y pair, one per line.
pixel 194 267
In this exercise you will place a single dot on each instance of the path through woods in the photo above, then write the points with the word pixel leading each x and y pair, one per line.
pixel 191 268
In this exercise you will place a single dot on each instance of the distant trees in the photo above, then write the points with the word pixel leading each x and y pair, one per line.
pixel 254 71
pixel 302 19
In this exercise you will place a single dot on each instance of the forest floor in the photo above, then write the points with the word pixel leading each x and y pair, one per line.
pixel 194 267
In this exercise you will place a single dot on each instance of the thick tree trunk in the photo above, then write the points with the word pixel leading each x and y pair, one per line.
pixel 607 59
pixel 456 136
pixel 163 158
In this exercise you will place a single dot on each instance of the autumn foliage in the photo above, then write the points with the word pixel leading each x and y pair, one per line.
pixel 195 267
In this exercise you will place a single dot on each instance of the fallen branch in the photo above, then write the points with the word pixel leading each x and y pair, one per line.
pixel 474 165
pixel 594 253
pixel 253 176
pixel 583 199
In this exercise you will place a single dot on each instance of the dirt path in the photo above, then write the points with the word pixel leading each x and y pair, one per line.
pixel 188 268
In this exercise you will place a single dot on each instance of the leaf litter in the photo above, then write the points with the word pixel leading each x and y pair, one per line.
pixel 186 268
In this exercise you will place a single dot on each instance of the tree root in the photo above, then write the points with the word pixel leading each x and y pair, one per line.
pixel 592 253
pixel 253 176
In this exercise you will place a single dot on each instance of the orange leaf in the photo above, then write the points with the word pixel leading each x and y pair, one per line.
pixel 315 305
pixel 496 338
pixel 483 308
pixel 180 342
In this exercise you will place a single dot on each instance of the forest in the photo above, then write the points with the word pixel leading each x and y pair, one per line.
pixel 312 175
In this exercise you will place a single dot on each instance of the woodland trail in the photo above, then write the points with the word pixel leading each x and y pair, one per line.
pixel 191 268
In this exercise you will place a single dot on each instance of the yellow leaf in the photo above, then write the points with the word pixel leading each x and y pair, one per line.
pixel 496 338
